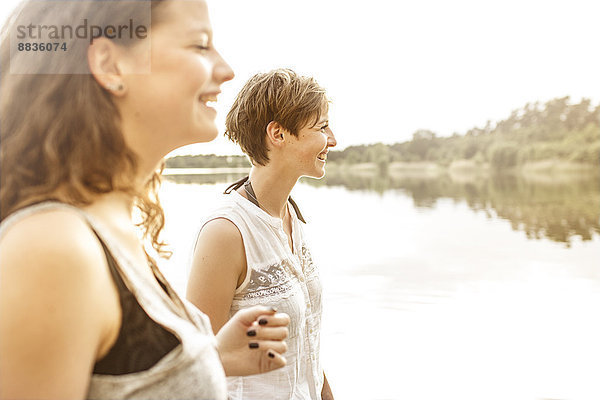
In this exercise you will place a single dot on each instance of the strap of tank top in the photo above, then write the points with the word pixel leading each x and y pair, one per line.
pixel 114 271
pixel 245 182
pixel 112 264
pixel 110 259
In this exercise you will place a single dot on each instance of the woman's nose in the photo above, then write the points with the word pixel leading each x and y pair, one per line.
pixel 331 142
pixel 223 72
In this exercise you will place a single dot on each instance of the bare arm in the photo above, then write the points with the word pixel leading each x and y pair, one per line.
pixel 57 311
pixel 218 266
pixel 326 393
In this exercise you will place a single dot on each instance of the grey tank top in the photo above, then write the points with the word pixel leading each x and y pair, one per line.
pixel 192 370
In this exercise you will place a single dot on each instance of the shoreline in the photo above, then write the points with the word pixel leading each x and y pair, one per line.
pixel 467 166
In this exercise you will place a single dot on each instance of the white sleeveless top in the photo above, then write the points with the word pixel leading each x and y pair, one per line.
pixel 192 370
pixel 287 280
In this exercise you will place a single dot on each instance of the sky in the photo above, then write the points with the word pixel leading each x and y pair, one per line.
pixel 393 67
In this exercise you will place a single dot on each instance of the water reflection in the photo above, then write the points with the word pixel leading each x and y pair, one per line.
pixel 460 306
pixel 560 208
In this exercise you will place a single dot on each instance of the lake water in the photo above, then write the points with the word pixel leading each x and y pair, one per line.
pixel 445 287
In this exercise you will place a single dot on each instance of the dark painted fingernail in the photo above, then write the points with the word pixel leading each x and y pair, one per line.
pixel 273 309
pixel 253 345
pixel 262 321
pixel 251 333
pixel 270 354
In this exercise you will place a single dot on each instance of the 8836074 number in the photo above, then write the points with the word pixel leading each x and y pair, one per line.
pixel 35 46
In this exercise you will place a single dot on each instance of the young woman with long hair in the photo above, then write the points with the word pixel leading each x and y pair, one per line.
pixel 84 310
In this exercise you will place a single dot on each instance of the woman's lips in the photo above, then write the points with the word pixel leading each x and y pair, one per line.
pixel 209 99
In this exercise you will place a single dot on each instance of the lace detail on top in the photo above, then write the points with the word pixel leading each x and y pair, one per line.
pixel 307 261
pixel 276 280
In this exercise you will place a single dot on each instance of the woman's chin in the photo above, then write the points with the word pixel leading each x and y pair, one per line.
pixel 318 174
pixel 320 170
pixel 207 134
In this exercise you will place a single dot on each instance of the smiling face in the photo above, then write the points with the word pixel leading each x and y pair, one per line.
pixel 170 106
pixel 308 151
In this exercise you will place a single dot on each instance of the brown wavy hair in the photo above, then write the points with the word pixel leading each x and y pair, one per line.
pixel 60 134
pixel 280 95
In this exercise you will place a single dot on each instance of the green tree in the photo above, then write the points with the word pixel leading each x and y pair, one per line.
pixel 503 156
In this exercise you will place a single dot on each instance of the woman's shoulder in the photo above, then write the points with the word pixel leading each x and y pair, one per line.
pixel 46 225
pixel 55 290
pixel 51 241
pixel 221 230
pixel 227 203
pixel 230 207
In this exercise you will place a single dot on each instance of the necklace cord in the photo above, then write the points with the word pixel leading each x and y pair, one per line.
pixel 245 182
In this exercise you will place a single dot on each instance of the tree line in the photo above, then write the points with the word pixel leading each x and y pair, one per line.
pixel 207 161
pixel 555 130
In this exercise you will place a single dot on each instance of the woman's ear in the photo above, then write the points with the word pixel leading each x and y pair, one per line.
pixel 103 58
pixel 276 134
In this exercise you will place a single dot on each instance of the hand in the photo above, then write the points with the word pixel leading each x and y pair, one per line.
pixel 251 342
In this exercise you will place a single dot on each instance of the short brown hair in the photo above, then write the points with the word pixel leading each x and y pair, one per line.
pixel 280 95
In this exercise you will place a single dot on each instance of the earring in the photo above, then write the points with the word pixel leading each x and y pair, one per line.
pixel 115 87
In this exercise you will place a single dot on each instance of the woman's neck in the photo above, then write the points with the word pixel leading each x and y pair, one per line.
pixel 114 206
pixel 272 188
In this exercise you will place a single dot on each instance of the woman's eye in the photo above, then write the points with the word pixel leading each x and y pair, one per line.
pixel 202 43
pixel 323 128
